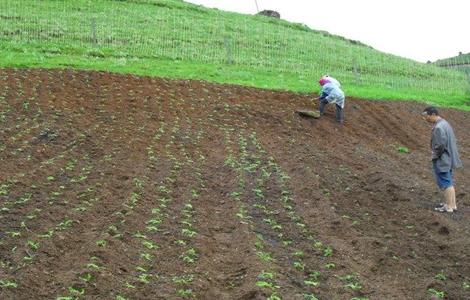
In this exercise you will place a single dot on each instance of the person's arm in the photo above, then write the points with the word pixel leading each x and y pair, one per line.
pixel 439 142
pixel 323 95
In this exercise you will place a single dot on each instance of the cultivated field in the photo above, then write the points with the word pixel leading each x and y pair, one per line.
pixel 125 187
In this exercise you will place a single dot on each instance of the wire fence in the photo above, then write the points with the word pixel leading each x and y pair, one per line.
pixel 176 30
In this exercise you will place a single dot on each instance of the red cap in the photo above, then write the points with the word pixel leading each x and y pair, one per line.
pixel 323 81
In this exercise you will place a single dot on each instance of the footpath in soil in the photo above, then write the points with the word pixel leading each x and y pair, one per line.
pixel 126 187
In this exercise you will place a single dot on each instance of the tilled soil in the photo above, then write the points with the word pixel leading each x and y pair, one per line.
pixel 125 187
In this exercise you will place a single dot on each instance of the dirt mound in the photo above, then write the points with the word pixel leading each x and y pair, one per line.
pixel 122 187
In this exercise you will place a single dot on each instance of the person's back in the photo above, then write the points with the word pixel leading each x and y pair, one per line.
pixel 332 80
pixel 444 134
pixel 331 93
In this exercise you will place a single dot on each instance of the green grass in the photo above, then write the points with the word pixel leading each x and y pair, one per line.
pixel 171 38
pixel 460 62
pixel 460 59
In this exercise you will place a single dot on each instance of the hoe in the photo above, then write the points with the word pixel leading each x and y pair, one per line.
pixel 308 113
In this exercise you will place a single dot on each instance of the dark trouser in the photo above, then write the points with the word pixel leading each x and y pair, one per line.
pixel 339 111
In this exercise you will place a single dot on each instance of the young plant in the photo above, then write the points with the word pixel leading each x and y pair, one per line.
pixel 437 293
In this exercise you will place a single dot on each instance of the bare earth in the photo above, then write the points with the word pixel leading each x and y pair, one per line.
pixel 125 187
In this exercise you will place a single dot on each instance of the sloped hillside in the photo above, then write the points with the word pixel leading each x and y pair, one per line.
pixel 172 38
pixel 460 62
pixel 125 187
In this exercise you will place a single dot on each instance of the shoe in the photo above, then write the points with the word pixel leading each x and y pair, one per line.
pixel 440 205
pixel 443 209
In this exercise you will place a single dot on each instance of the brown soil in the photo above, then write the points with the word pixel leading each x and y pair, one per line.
pixel 123 187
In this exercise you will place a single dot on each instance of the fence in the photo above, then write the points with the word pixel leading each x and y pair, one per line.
pixel 177 30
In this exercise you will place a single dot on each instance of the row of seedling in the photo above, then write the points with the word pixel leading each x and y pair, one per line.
pixel 58 196
pixel 144 241
pixel 258 169
pixel 141 272
pixel 350 282
pixel 245 169
pixel 32 233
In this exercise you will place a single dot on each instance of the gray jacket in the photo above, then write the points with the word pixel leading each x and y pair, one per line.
pixel 444 147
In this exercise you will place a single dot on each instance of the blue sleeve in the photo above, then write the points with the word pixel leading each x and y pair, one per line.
pixel 323 95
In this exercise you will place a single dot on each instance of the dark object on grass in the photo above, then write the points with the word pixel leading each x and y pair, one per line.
pixel 270 13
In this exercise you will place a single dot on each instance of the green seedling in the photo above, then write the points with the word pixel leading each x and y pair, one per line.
pixel 154 222
pixel 440 276
pixel 185 293
pixel 151 228
pixel 403 149
pixel 190 256
pixel 188 232
pixel 147 256
pixel 93 266
pixel 328 251
pixel 264 256
pixel 150 245
pixel 28 258
pixel 101 243
pixel 34 246
pixel 259 245
pixel 274 296
pixel 330 266
pixel 242 213
pixel 312 279
pixel 141 269
pixel 14 233
pixel 48 234
pixel 299 265
pixel 437 293
pixel 144 278
pixel 180 242
pixel 8 284
pixel 266 275
pixel 266 284
pixel 140 235
pixel 310 297
pixel 127 285
pixel 183 280
pixel 356 286
pixel 318 245
pixel 86 277
pixel 77 291
pixel 65 224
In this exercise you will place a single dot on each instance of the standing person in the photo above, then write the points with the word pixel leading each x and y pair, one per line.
pixel 445 157
pixel 331 93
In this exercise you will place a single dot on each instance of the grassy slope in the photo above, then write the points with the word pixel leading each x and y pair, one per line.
pixel 171 38
pixel 460 62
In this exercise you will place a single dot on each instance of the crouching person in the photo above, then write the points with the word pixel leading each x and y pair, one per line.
pixel 331 93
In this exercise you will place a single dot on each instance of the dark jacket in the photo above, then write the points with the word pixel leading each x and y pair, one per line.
pixel 445 154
